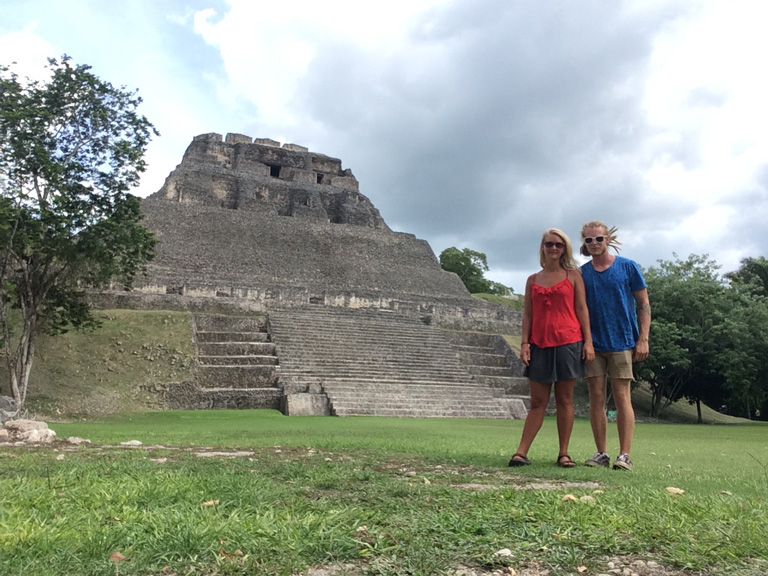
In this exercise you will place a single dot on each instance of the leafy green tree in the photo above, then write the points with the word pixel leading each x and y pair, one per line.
pixel 744 363
pixel 710 336
pixel 752 275
pixel 690 303
pixel 471 266
pixel 747 367
pixel 70 149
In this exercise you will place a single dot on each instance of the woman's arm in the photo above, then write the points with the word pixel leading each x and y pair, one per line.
pixel 582 313
pixel 525 347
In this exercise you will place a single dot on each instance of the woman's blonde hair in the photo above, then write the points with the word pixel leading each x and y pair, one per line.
pixel 609 233
pixel 566 258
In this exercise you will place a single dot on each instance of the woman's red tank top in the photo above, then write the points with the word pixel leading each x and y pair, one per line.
pixel 554 320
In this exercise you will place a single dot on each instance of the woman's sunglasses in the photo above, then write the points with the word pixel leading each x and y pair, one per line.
pixel 597 239
pixel 558 245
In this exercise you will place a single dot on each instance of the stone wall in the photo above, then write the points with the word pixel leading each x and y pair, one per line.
pixel 203 247
pixel 264 177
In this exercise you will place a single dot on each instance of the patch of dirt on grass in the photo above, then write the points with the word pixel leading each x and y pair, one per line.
pixel 496 480
pixel 613 566
pixel 530 485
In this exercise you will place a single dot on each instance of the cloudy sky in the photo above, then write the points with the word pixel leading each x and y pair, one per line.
pixel 469 123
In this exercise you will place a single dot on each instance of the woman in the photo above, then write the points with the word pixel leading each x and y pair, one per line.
pixel 556 341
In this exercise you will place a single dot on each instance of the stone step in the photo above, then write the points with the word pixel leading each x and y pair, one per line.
pixel 488 370
pixel 237 376
pixel 339 314
pixel 410 400
pixel 403 386
pixel 418 347
pixel 369 356
pixel 410 412
pixel 378 376
pixel 306 329
pixel 237 360
pixel 239 398
pixel 358 381
pixel 502 382
pixel 482 359
pixel 329 379
pixel 468 339
pixel 381 378
pixel 236 348
pixel 373 363
pixel 374 372
pixel 361 355
pixel 232 336
pixel 309 324
pixel 473 349
pixel 404 341
pixel 398 386
pixel 213 323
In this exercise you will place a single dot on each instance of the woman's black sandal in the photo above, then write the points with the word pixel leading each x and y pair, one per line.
pixel 519 460
pixel 564 461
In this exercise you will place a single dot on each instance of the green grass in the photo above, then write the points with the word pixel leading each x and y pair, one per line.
pixel 515 303
pixel 390 496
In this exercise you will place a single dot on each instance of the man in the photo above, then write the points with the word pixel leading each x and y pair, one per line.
pixel 620 316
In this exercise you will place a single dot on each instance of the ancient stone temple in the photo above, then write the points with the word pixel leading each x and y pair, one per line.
pixel 302 298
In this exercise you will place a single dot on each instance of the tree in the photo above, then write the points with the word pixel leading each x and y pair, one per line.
pixel 70 149
pixel 752 275
pixel 750 332
pixel 709 337
pixel 690 304
pixel 470 266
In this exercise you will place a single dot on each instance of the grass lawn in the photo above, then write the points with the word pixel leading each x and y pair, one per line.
pixel 375 496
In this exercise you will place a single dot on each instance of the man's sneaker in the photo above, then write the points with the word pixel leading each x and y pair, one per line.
pixel 599 459
pixel 623 462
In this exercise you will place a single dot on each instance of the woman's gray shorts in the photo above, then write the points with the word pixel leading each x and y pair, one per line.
pixel 549 365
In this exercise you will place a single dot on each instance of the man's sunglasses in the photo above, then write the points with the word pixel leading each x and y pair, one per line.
pixel 558 245
pixel 598 239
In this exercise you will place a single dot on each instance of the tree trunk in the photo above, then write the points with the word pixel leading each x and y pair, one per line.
pixel 658 396
pixel 699 420
pixel 20 362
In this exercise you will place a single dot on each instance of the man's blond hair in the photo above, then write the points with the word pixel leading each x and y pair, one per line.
pixel 610 234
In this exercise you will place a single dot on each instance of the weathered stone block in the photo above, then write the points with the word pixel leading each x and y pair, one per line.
pixel 306 404
pixel 295 148
pixel 266 142
pixel 238 139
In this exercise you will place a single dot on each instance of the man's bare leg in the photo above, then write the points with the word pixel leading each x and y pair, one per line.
pixel 625 414
pixel 597 416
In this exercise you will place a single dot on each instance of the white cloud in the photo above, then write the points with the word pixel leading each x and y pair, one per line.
pixel 28 50
pixel 470 124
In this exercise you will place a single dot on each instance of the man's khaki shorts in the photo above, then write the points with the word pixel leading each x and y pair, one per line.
pixel 618 365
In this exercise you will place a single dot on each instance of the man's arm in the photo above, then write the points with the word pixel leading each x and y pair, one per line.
pixel 644 323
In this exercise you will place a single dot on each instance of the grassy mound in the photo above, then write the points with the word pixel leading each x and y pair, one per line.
pixel 121 367
pixel 515 303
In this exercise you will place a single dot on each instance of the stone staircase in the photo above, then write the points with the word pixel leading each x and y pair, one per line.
pixel 491 362
pixel 237 366
pixel 377 362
